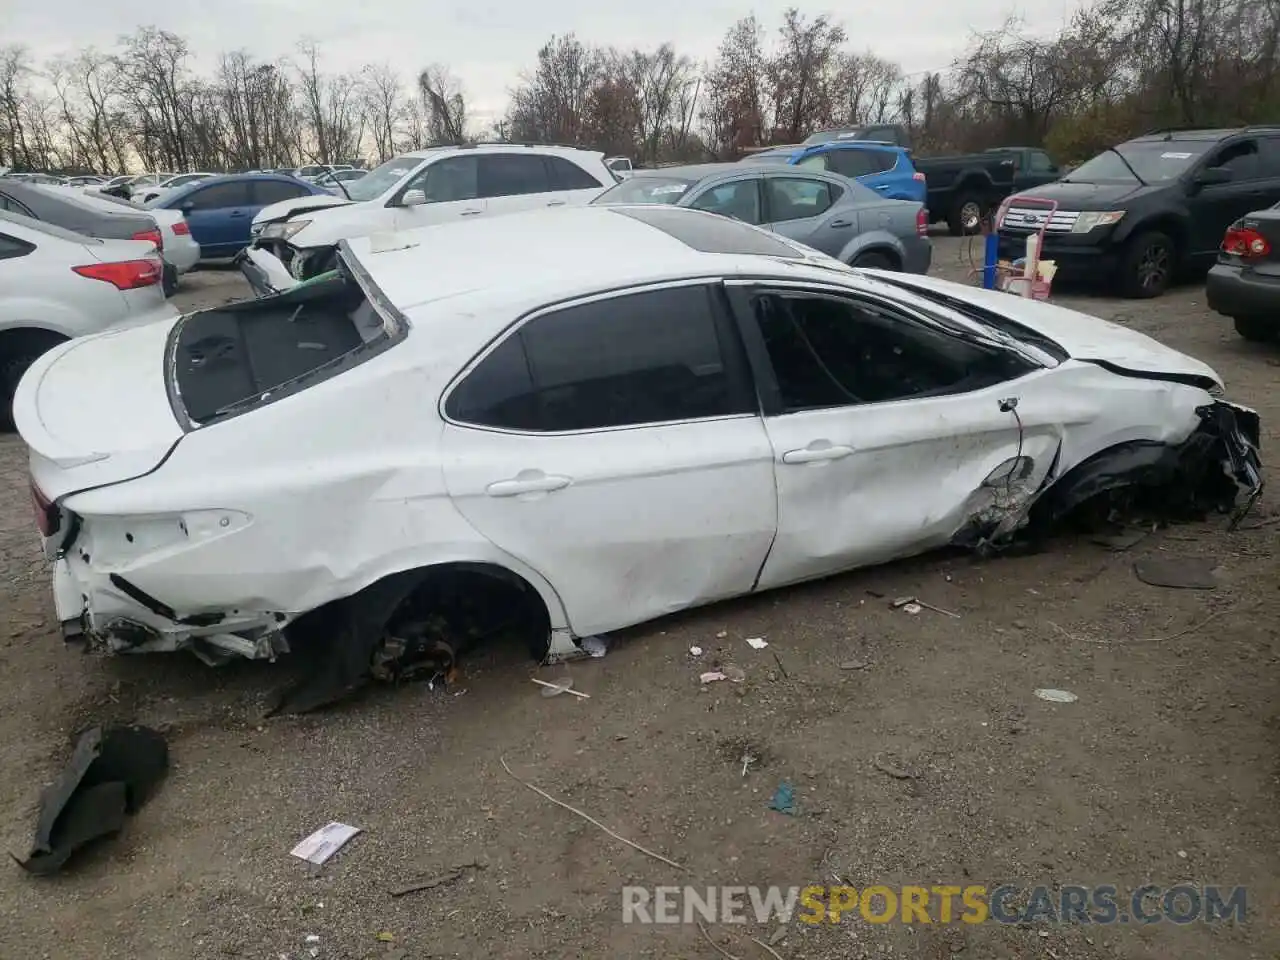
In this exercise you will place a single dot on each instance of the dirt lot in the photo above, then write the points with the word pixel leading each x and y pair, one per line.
pixel 1164 771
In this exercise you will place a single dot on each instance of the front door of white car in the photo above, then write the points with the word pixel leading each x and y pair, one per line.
pixel 887 434
pixel 444 191
pixel 614 445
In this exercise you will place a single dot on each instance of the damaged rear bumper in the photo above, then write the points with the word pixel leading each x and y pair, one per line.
pixel 109 610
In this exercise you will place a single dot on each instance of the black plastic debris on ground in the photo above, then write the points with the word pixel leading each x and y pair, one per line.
pixel 1178 573
pixel 110 776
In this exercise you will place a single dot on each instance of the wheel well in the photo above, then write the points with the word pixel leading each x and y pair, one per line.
pixel 887 252
pixel 18 341
pixel 972 183
pixel 1171 227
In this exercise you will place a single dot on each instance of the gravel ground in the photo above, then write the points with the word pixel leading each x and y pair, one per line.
pixel 929 763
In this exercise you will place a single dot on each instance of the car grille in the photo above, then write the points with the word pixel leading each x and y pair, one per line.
pixel 1031 219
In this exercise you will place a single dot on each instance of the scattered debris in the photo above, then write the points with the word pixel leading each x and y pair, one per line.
pixel 734 674
pixel 914 605
pixel 1179 573
pixel 719 949
pixel 1182 854
pixel 562 686
pixel 711 676
pixel 324 843
pixel 747 761
pixel 1057 696
pixel 695 651
pixel 854 665
pixel 784 799
pixel 772 952
pixel 778 660
pixel 451 876
pixel 898 773
pixel 1194 628
pixel 312 938
pixel 757 643
pixel 386 936
pixel 111 774
pixel 591 820
pixel 1123 540
pixel 596 646
pixel 722 634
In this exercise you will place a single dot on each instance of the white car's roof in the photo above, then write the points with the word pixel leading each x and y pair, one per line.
pixel 526 259
pixel 500 147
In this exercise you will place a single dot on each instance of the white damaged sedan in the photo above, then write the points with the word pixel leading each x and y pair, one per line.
pixel 578 420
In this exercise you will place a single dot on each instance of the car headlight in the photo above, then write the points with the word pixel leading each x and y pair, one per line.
pixel 1090 219
pixel 283 231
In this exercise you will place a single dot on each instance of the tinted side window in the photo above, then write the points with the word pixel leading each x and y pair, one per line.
pixel 11 247
pixel 639 358
pixel 1241 158
pixel 740 200
pixel 1040 162
pixel 220 195
pixel 796 199
pixel 853 163
pixel 831 352
pixel 447 180
pixel 512 174
pixel 273 191
pixel 567 175
pixel 1269 158
pixel 13 206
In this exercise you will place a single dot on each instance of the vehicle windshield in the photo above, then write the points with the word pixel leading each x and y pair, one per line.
pixel 382 178
pixel 826 136
pixel 646 190
pixel 1154 161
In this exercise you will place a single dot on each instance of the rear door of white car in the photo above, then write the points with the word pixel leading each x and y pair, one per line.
pixel 887 434
pixel 615 446
pixel 580 186
pixel 512 182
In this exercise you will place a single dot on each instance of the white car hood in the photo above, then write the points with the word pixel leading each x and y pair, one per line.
pixel 1083 336
pixel 287 208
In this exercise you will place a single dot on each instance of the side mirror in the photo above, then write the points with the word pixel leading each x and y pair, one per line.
pixel 413 198
pixel 188 206
pixel 1211 176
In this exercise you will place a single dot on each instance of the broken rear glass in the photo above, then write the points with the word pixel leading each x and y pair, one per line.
pixel 232 359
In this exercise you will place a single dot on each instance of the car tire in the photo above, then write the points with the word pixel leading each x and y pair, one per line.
pixel 874 260
pixel 13 365
pixel 965 216
pixel 1256 329
pixel 1147 265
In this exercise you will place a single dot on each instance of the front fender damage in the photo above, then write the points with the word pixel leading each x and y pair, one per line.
pixel 1217 469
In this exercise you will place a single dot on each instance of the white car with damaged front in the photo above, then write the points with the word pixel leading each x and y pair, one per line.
pixel 657 408
pixel 435 186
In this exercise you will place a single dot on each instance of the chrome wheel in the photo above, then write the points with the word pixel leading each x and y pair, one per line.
pixel 970 216
pixel 1153 267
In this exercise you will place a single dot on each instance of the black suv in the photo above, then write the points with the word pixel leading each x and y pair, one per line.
pixel 1140 212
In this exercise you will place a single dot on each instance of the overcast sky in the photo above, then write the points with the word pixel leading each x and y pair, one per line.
pixel 488 43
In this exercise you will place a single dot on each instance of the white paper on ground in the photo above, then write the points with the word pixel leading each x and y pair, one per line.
pixel 757 643
pixel 324 843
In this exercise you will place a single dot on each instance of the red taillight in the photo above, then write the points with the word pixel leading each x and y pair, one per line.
pixel 181 229
pixel 918 176
pixel 125 274
pixel 155 236
pixel 1245 242
pixel 922 223
pixel 47 520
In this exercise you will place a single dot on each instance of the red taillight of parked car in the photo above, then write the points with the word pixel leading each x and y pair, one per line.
pixel 47 521
pixel 1245 242
pixel 922 223
pixel 125 274
pixel 154 235
pixel 181 229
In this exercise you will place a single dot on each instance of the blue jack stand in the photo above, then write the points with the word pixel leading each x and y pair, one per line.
pixel 991 257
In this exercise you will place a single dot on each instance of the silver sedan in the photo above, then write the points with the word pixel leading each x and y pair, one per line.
pixel 826 211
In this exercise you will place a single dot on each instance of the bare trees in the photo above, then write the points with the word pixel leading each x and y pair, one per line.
pixel 1118 66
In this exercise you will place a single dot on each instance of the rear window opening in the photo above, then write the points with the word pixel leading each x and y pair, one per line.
pixel 233 359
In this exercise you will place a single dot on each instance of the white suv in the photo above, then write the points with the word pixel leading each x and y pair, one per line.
pixel 438 185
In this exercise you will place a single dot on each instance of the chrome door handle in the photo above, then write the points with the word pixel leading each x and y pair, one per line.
pixel 472 213
pixel 882 186
pixel 840 223
pixel 527 481
pixel 816 454
pixel 556 203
